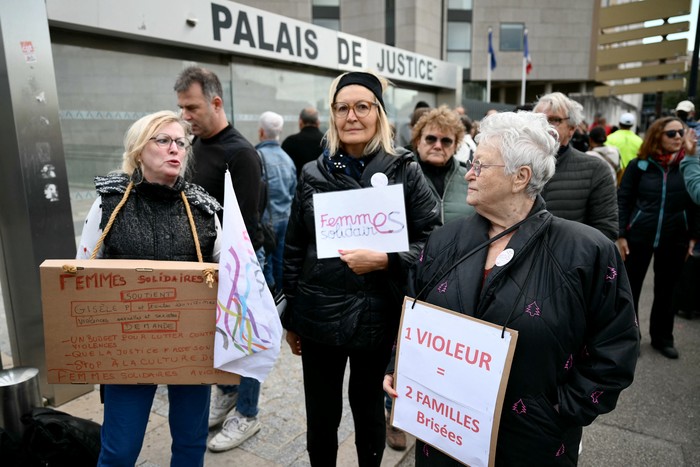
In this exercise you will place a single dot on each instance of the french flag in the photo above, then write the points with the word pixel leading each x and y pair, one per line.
pixel 526 54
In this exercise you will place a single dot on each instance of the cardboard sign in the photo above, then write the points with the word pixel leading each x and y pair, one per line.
pixel 129 322
pixel 451 376
pixel 371 218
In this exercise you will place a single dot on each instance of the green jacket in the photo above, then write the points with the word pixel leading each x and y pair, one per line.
pixel 627 142
pixel 453 203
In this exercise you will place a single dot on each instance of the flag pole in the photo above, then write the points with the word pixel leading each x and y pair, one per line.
pixel 490 65
pixel 524 72
pixel 522 83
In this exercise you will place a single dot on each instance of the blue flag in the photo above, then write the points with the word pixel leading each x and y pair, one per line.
pixel 491 53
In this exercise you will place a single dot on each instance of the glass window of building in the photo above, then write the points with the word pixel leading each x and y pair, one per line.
pixel 511 37
pixel 326 13
pixel 459 4
pixel 459 33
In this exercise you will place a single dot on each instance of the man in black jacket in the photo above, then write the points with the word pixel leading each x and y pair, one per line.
pixel 218 147
pixel 581 189
pixel 305 146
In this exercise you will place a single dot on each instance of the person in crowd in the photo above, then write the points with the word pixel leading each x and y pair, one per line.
pixel 581 189
pixel 467 148
pixel 218 146
pixel 436 136
pixel 658 218
pixel 625 140
pixel 403 132
pixel 580 140
pixel 560 284
pixel 306 145
pixel 348 308
pixel 417 114
pixel 147 201
pixel 685 110
pixel 601 121
pixel 608 154
pixel 281 177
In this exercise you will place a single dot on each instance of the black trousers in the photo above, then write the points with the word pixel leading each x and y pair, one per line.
pixel 324 369
pixel 668 264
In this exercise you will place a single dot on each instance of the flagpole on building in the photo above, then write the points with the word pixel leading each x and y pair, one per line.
pixel 490 66
pixel 488 70
pixel 524 71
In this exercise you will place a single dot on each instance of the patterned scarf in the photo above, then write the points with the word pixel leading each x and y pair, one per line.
pixel 667 160
pixel 348 165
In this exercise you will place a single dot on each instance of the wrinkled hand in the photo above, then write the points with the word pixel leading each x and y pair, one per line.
pixel 690 141
pixel 364 261
pixel 622 247
pixel 388 386
pixel 294 342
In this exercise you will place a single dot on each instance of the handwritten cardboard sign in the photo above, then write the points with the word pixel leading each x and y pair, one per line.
pixel 451 376
pixel 371 218
pixel 129 322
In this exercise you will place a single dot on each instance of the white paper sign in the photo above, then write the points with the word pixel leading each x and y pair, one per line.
pixel 371 218
pixel 451 376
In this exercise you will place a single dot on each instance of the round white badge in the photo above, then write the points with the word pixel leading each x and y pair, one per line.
pixel 379 179
pixel 505 257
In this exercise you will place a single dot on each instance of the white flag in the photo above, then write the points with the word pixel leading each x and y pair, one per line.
pixel 248 328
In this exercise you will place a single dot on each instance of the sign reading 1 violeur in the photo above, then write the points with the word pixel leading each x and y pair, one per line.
pixel 451 376
pixel 370 218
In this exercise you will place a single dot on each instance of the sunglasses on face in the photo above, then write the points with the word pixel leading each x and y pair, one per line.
pixel 445 141
pixel 672 133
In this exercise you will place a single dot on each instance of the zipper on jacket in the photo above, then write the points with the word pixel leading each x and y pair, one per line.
pixel 661 208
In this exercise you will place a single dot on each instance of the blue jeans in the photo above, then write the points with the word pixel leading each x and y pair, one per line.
pixel 273 261
pixel 126 411
pixel 248 394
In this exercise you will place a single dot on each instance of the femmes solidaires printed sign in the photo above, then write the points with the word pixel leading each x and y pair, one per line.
pixel 368 218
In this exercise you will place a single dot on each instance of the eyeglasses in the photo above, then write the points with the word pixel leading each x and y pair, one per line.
pixel 432 139
pixel 477 166
pixel 361 108
pixel 556 121
pixel 672 133
pixel 164 141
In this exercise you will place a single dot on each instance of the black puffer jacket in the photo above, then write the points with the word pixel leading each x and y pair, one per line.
pixel 565 291
pixel 655 206
pixel 327 302
pixel 582 190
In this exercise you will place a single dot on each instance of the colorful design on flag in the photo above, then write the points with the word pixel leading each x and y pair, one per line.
pixel 526 54
pixel 248 327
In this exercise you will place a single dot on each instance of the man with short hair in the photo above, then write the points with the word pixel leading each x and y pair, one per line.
pixel 281 177
pixel 305 146
pixel 625 140
pixel 217 147
pixel 685 110
pixel 581 189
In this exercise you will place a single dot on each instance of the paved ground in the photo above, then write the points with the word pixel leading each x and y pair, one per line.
pixel 656 423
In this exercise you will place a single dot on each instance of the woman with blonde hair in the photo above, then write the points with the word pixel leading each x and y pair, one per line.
pixel 148 211
pixel 347 308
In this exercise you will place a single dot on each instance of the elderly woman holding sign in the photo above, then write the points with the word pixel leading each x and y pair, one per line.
pixel 347 308
pixel 148 211
pixel 560 284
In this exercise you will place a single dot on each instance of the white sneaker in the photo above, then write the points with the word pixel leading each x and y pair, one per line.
pixel 236 429
pixel 221 405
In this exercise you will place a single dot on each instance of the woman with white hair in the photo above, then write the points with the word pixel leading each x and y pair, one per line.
pixel 560 284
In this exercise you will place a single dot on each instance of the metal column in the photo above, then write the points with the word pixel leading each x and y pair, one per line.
pixel 35 213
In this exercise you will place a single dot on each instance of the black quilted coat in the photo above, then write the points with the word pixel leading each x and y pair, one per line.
pixel 566 293
pixel 327 302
